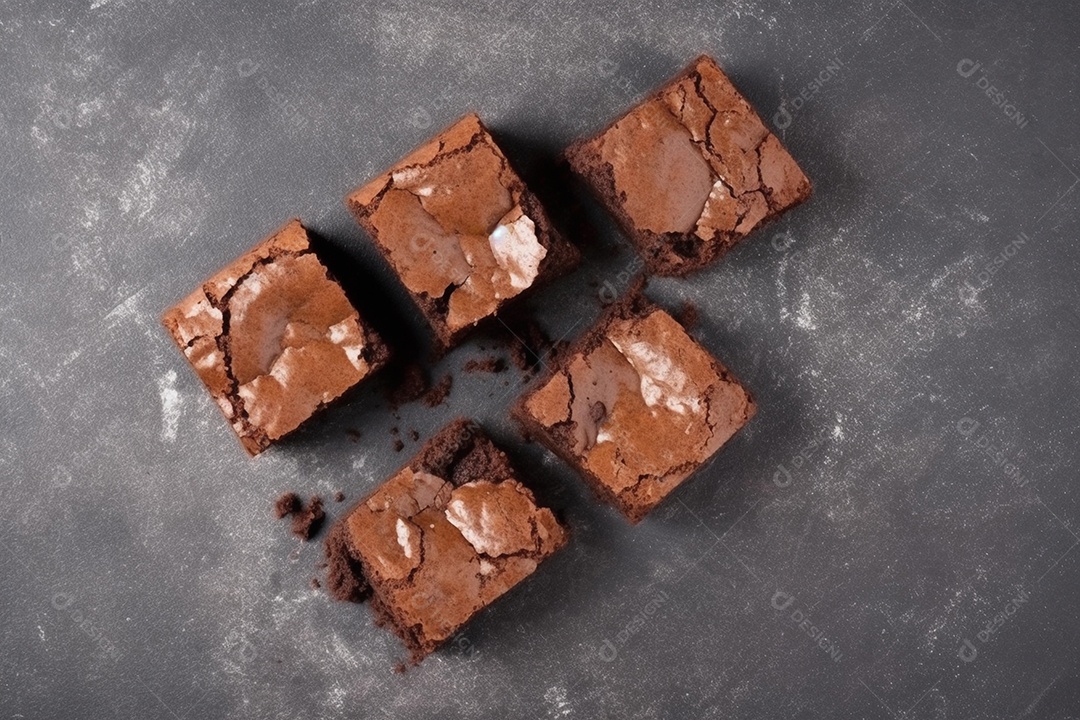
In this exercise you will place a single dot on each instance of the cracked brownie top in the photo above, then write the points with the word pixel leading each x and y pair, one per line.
pixel 460 228
pixel 690 171
pixel 274 338
pixel 637 405
pixel 445 536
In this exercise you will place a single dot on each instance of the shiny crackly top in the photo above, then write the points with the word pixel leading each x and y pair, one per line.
pixel 450 217
pixel 697 159
pixel 646 406
pixel 272 336
pixel 437 553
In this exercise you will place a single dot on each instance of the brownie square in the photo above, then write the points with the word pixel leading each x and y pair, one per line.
pixel 274 338
pixel 460 229
pixel 636 406
pixel 690 171
pixel 442 539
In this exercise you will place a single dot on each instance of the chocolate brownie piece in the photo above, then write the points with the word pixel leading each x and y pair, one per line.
pixel 440 540
pixel 690 171
pixel 635 405
pixel 274 338
pixel 460 229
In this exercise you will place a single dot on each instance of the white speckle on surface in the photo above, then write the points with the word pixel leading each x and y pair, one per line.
pixel 147 182
pixel 126 309
pixel 803 317
pixel 336 697
pixel 558 705
pixel 170 406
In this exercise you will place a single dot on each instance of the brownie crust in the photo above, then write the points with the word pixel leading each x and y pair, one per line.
pixel 440 540
pixel 690 171
pixel 635 405
pixel 273 338
pixel 460 229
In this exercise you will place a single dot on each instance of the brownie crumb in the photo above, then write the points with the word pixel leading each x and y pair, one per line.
pixel 398 445
pixel 395 431
pixel 354 435
pixel 413 435
pixel 286 504
pixel 485 365
pixel 410 386
pixel 339 496
pixel 315 584
pixel 400 668
pixel 438 393
pixel 688 315
pixel 307 521
pixel 529 345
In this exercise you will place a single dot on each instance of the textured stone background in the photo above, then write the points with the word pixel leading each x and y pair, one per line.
pixel 909 478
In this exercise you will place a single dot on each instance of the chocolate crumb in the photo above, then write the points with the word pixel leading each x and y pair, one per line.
pixel 354 434
pixel 400 668
pixel 315 584
pixel 528 344
pixel 339 496
pixel 286 504
pixel 410 386
pixel 398 445
pixel 485 365
pixel 307 521
pixel 413 435
pixel 438 393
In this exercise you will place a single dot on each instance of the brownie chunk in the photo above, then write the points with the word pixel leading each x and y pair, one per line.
pixel 635 405
pixel 308 519
pixel 690 171
pixel 287 504
pixel 441 539
pixel 273 338
pixel 460 229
